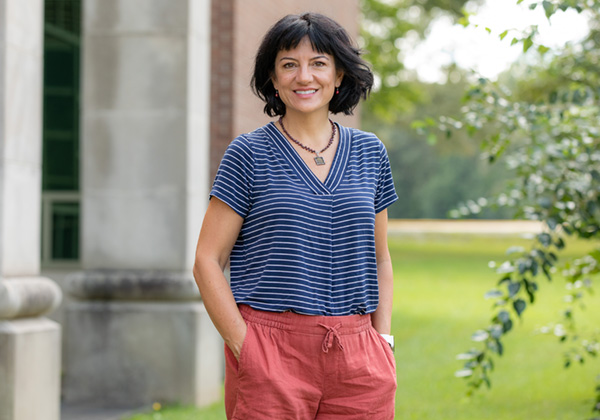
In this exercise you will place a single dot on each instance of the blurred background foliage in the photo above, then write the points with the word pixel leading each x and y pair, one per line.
pixel 541 120
pixel 431 179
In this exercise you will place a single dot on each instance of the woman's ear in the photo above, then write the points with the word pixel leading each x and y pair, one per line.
pixel 339 78
pixel 274 81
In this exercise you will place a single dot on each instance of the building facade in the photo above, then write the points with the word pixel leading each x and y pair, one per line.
pixel 113 117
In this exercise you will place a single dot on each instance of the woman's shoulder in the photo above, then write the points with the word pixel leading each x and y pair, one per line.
pixel 251 140
pixel 364 139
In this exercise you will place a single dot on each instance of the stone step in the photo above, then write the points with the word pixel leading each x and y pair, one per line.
pixel 71 412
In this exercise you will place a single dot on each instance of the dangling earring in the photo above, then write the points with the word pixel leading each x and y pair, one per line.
pixel 337 90
pixel 276 93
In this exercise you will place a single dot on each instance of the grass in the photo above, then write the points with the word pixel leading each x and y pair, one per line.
pixel 440 282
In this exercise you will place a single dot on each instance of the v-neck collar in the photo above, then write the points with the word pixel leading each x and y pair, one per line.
pixel 299 166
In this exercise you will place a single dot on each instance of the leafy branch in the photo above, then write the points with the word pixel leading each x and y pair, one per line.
pixel 545 128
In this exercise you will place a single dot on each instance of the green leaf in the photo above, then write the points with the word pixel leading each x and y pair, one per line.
pixel 545 239
pixel 504 279
pixel 546 272
pixel 431 138
pixel 542 49
pixel 503 316
pixel 519 306
pixel 496 346
pixel 464 373
pixel 527 43
pixel 530 288
pixel 513 288
pixel 470 355
pixel 480 335
pixel 500 347
pixel 534 267
pixel 417 124
pixel 514 41
pixel 503 35
pixel 496 331
pixel 523 266
pixel 548 8
pixel 493 294
pixel 515 250
pixel 505 268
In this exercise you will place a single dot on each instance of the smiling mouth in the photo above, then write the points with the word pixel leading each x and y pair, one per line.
pixel 305 92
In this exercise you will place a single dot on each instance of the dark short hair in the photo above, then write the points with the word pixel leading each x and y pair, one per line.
pixel 326 36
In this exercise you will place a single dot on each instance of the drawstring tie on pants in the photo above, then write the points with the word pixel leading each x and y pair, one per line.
pixel 332 333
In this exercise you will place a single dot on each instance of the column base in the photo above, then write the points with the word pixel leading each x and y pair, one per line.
pixel 30 369
pixel 24 297
pixel 132 354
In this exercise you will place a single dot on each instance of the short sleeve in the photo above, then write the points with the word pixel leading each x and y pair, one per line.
pixel 234 179
pixel 386 192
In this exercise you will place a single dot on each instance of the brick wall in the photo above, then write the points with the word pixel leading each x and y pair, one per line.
pixel 236 109
pixel 221 94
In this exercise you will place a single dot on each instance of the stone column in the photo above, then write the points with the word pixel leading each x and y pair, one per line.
pixel 138 332
pixel 29 343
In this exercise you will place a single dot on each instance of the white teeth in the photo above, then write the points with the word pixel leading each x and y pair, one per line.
pixel 306 92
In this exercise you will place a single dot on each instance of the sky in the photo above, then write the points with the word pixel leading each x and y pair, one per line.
pixel 473 48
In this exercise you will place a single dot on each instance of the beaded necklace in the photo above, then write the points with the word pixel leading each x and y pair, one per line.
pixel 318 159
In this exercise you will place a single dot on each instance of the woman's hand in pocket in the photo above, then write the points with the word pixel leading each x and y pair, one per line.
pixel 237 341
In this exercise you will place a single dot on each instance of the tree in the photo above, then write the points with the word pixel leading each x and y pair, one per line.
pixel 431 178
pixel 384 24
pixel 546 127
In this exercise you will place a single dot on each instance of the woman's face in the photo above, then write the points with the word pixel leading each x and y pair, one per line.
pixel 306 79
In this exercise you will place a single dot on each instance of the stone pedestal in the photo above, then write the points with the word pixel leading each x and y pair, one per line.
pixel 29 350
pixel 29 368
pixel 138 332
pixel 138 337
pixel 29 343
pixel 130 354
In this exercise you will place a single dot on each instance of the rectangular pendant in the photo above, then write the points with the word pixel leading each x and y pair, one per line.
pixel 319 161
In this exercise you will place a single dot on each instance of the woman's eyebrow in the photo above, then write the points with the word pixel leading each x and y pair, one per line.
pixel 317 57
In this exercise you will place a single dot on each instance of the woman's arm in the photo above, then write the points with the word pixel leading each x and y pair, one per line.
pixel 220 229
pixel 382 317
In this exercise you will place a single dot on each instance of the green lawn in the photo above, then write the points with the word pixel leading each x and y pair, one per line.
pixel 440 282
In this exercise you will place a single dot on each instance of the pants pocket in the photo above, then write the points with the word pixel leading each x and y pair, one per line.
pixel 234 363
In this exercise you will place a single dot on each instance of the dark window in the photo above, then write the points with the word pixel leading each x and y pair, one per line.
pixel 60 164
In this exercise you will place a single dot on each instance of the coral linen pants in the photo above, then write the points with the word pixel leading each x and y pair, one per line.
pixel 299 367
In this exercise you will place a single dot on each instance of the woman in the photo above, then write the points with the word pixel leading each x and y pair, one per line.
pixel 299 208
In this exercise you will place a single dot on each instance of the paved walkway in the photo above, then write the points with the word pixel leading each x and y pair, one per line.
pixel 484 227
pixel 91 413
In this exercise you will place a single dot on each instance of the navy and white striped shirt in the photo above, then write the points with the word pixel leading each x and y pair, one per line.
pixel 305 245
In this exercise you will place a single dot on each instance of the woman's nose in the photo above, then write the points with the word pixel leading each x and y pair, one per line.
pixel 304 74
